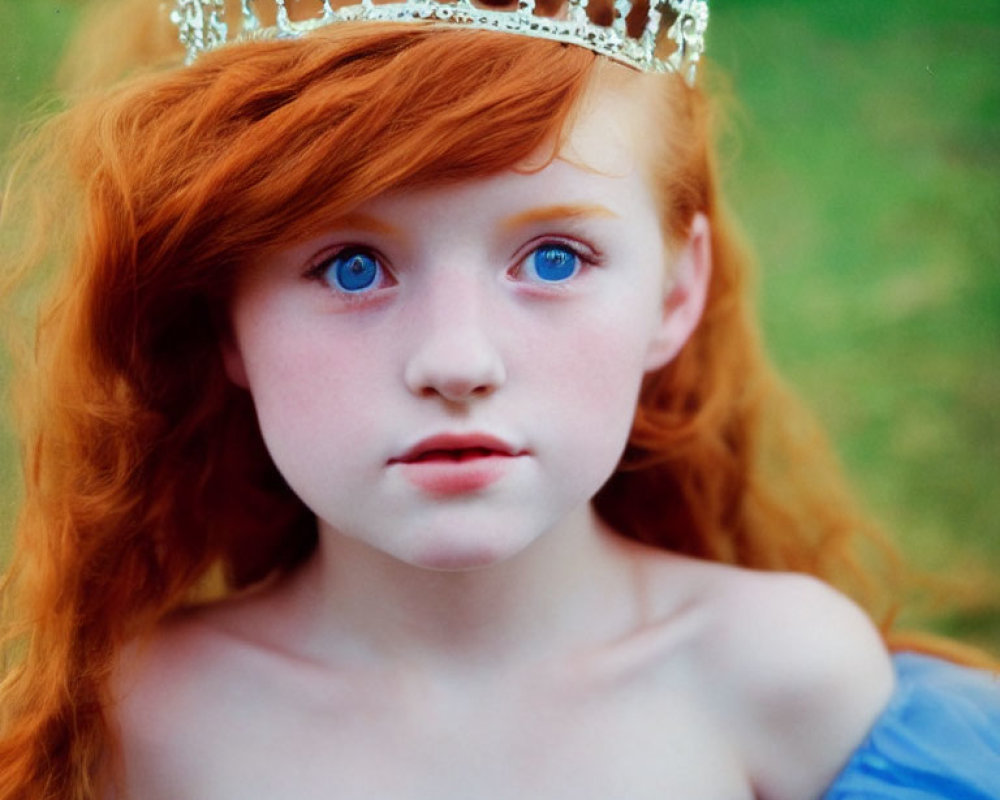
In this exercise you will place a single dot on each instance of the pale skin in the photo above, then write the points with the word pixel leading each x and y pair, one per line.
pixel 492 638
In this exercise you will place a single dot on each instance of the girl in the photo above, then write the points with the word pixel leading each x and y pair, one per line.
pixel 395 427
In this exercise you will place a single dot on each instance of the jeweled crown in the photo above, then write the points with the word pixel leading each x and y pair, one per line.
pixel 629 37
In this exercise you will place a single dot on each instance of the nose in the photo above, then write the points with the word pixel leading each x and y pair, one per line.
pixel 453 354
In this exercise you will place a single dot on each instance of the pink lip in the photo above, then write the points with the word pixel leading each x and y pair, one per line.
pixel 452 464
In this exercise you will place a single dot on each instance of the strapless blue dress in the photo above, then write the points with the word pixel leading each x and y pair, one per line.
pixel 938 739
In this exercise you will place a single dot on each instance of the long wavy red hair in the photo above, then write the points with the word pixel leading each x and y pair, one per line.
pixel 145 473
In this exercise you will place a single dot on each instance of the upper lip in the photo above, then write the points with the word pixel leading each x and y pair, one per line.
pixel 452 442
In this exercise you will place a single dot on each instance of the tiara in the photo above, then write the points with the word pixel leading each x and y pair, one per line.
pixel 202 26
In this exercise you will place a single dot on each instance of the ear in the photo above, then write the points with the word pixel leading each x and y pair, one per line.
pixel 232 359
pixel 684 296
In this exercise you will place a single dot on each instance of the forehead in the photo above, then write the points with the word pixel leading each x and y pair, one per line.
pixel 611 130
pixel 607 134
pixel 561 190
pixel 605 147
pixel 603 158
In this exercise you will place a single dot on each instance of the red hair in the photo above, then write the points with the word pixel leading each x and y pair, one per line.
pixel 145 472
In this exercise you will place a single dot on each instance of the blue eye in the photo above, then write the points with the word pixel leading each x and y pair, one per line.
pixel 553 263
pixel 352 271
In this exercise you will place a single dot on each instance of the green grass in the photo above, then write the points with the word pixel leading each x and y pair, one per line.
pixel 866 168
pixel 868 172
pixel 33 33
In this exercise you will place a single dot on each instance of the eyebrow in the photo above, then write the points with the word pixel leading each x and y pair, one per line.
pixel 555 212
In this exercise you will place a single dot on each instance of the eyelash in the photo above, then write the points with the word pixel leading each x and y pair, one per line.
pixel 587 256
pixel 325 262
pixel 318 271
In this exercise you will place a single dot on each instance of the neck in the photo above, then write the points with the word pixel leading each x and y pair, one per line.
pixel 573 588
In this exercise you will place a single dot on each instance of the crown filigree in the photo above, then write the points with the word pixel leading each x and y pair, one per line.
pixel 202 25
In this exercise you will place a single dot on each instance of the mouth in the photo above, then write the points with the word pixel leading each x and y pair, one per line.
pixel 456 456
pixel 450 466
pixel 457 449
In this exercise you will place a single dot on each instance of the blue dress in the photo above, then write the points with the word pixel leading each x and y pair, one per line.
pixel 938 739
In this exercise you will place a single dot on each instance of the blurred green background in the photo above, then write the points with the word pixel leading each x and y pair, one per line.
pixel 864 160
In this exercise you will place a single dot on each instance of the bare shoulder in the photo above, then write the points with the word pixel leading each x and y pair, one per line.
pixel 162 678
pixel 802 669
pixel 190 700
pixel 201 659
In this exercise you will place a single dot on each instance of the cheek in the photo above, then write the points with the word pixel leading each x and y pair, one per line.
pixel 599 370
pixel 308 386
pixel 601 354
pixel 592 382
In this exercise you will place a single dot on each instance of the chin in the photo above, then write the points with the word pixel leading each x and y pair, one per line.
pixel 462 556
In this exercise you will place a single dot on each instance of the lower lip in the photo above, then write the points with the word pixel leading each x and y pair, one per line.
pixel 451 478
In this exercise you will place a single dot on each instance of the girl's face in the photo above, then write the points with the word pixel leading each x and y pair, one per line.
pixel 448 373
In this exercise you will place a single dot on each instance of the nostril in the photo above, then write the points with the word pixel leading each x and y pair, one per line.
pixel 456 372
pixel 458 391
pixel 454 391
